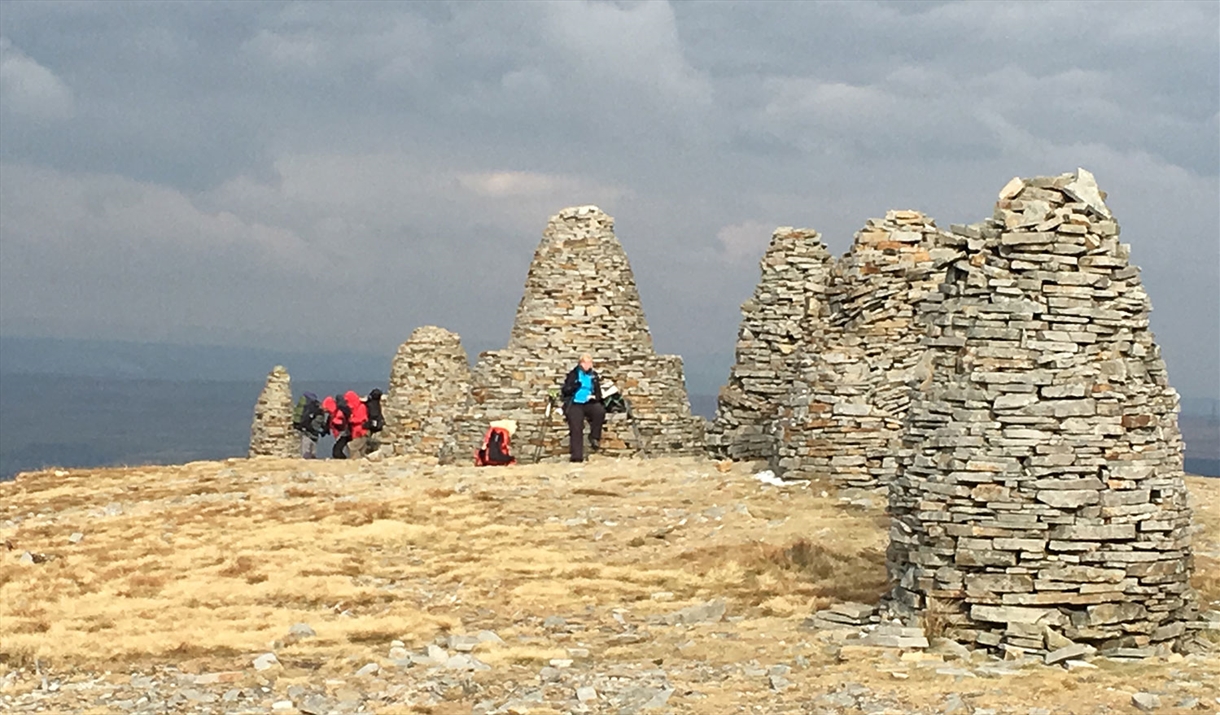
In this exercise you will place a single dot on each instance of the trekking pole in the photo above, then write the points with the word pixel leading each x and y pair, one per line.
pixel 546 427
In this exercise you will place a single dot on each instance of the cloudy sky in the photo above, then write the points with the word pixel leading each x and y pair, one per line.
pixel 310 175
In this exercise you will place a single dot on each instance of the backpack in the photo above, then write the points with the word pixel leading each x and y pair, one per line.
pixel 613 400
pixel 496 450
pixel 376 420
pixel 305 413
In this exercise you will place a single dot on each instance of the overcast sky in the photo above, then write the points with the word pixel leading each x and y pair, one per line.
pixel 334 175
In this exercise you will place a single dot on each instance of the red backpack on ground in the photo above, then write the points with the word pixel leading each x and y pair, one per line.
pixel 496 450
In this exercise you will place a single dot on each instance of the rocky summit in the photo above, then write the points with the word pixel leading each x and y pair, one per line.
pixel 678 585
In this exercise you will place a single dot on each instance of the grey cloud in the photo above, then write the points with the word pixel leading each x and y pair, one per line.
pixel 406 156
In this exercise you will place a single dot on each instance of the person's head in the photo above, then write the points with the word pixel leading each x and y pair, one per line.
pixel 311 397
pixel 586 362
pixel 375 394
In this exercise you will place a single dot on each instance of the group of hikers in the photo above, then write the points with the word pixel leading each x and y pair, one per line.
pixel 349 418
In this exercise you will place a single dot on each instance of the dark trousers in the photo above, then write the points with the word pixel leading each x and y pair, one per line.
pixel 338 451
pixel 595 413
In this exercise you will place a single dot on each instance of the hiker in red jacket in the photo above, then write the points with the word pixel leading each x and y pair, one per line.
pixel 337 419
pixel 358 420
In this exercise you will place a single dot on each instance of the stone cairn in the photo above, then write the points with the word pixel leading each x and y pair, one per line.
pixel 777 324
pixel 271 433
pixel 842 417
pixel 580 296
pixel 1041 506
pixel 429 387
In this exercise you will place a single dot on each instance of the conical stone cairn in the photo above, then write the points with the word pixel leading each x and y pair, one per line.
pixel 429 388
pixel 271 433
pixel 580 296
pixel 777 324
pixel 1041 504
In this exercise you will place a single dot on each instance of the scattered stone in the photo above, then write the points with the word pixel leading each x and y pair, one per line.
pixel 709 612
pixel 315 705
pixel 463 644
pixel 586 694
pixel 76 537
pixel 266 661
pixel 1070 652
pixel 301 631
pixel 1146 702
pixel 368 669
pixel 779 683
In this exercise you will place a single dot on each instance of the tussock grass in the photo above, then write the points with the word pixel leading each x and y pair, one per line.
pixel 216 561
pixel 211 563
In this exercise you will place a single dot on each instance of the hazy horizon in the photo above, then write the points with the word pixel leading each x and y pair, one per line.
pixel 329 176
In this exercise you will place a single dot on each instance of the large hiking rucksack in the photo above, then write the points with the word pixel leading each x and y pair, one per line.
pixel 306 413
pixel 496 450
pixel 376 420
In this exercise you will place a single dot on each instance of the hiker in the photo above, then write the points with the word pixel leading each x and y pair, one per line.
pixel 336 407
pixel 376 420
pixel 582 400
pixel 357 423
pixel 497 448
pixel 310 420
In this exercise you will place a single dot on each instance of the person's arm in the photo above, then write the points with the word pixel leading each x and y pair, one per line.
pixel 570 386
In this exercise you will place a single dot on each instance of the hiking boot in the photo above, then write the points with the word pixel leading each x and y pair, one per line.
pixel 595 445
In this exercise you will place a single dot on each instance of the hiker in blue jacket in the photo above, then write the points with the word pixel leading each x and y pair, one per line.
pixel 582 400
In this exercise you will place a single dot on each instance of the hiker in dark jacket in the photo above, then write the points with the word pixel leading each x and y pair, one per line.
pixel 582 400
pixel 312 425
pixel 340 424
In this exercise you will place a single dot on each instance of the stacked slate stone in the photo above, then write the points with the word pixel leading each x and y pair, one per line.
pixel 787 308
pixel 429 388
pixel 842 419
pixel 580 296
pixel 1043 506
pixel 271 433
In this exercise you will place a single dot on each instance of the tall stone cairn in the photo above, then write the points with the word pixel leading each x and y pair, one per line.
pixel 429 387
pixel 1042 503
pixel 788 307
pixel 842 417
pixel 271 434
pixel 580 296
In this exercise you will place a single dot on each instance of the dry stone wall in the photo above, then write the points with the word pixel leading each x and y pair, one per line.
pixel 271 433
pixel 777 324
pixel 842 417
pixel 429 388
pixel 580 296
pixel 1041 504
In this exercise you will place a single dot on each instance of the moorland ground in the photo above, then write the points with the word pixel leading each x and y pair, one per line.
pixel 577 569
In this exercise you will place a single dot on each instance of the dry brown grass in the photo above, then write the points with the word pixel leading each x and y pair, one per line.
pixel 209 563
pixel 226 559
